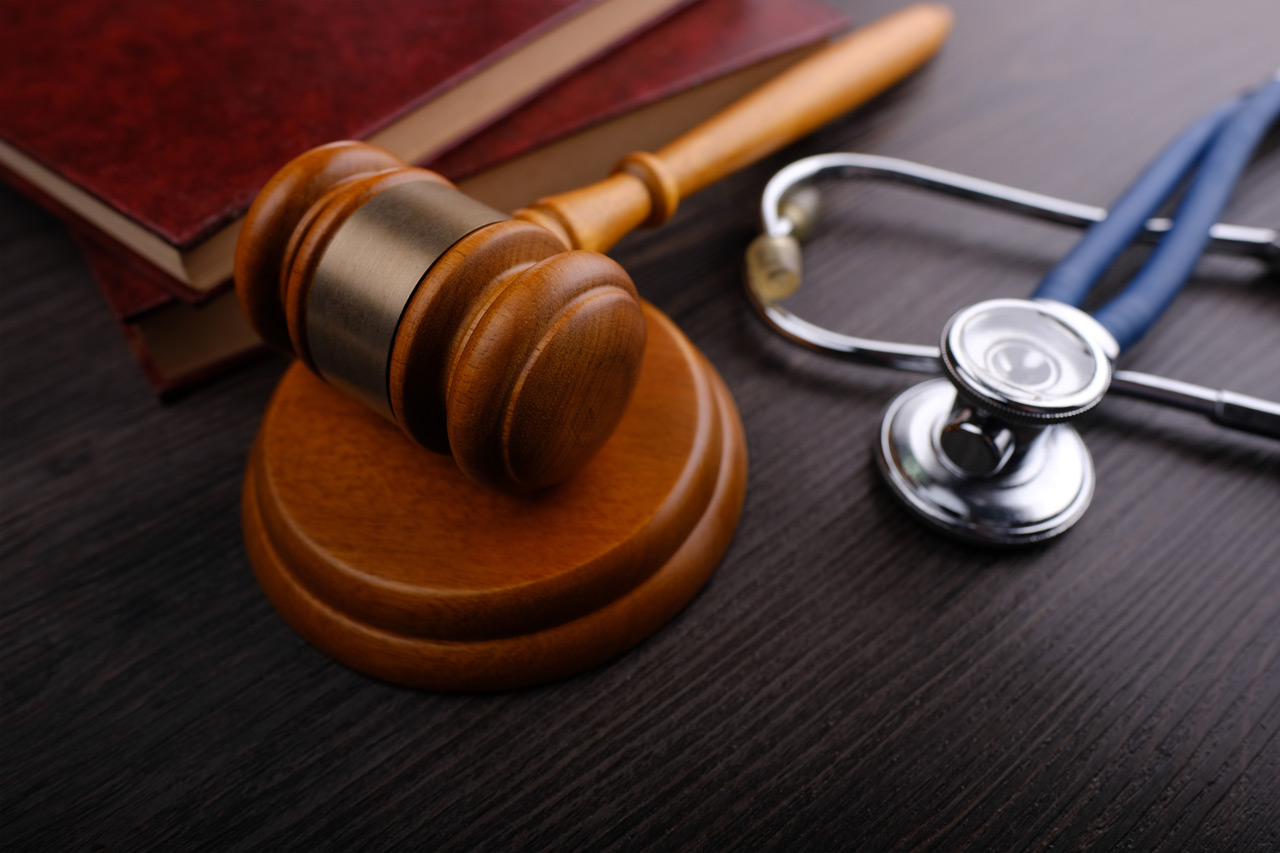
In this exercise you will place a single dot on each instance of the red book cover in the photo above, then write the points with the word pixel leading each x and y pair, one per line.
pixel 175 114
pixel 706 42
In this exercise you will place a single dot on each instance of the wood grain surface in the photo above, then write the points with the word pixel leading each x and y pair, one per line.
pixel 846 680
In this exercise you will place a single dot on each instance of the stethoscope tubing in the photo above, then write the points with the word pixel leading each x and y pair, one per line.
pixel 1225 238
pixel 1214 150
pixel 1073 277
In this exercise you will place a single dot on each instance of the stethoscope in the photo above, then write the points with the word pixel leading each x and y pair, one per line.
pixel 988 453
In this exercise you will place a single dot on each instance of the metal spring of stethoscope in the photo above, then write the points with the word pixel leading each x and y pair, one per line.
pixel 987 454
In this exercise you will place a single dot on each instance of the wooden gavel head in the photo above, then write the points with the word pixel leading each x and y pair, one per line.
pixel 478 335
pixel 511 343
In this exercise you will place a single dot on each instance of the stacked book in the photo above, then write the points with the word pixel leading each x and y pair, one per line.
pixel 164 121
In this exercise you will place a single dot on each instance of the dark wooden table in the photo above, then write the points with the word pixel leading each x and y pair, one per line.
pixel 846 681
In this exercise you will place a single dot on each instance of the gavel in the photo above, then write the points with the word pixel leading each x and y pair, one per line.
pixel 511 342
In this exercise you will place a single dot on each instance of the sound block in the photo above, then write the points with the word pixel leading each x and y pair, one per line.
pixel 384 556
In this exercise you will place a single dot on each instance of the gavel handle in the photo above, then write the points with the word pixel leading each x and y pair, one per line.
pixel 646 188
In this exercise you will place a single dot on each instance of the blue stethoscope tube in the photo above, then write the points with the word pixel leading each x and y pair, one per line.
pixel 1215 151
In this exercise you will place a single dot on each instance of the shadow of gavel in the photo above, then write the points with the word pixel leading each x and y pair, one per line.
pixel 511 342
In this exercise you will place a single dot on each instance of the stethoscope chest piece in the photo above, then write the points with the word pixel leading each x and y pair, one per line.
pixel 986 454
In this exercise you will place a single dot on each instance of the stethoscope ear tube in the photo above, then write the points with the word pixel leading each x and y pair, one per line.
pixel 797 177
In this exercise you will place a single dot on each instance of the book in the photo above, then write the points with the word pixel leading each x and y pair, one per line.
pixel 641 96
pixel 157 123
pixel 644 94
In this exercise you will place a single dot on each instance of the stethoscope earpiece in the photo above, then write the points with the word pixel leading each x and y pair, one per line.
pixel 988 453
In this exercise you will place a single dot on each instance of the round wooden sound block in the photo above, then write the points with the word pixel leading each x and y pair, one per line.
pixel 386 557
